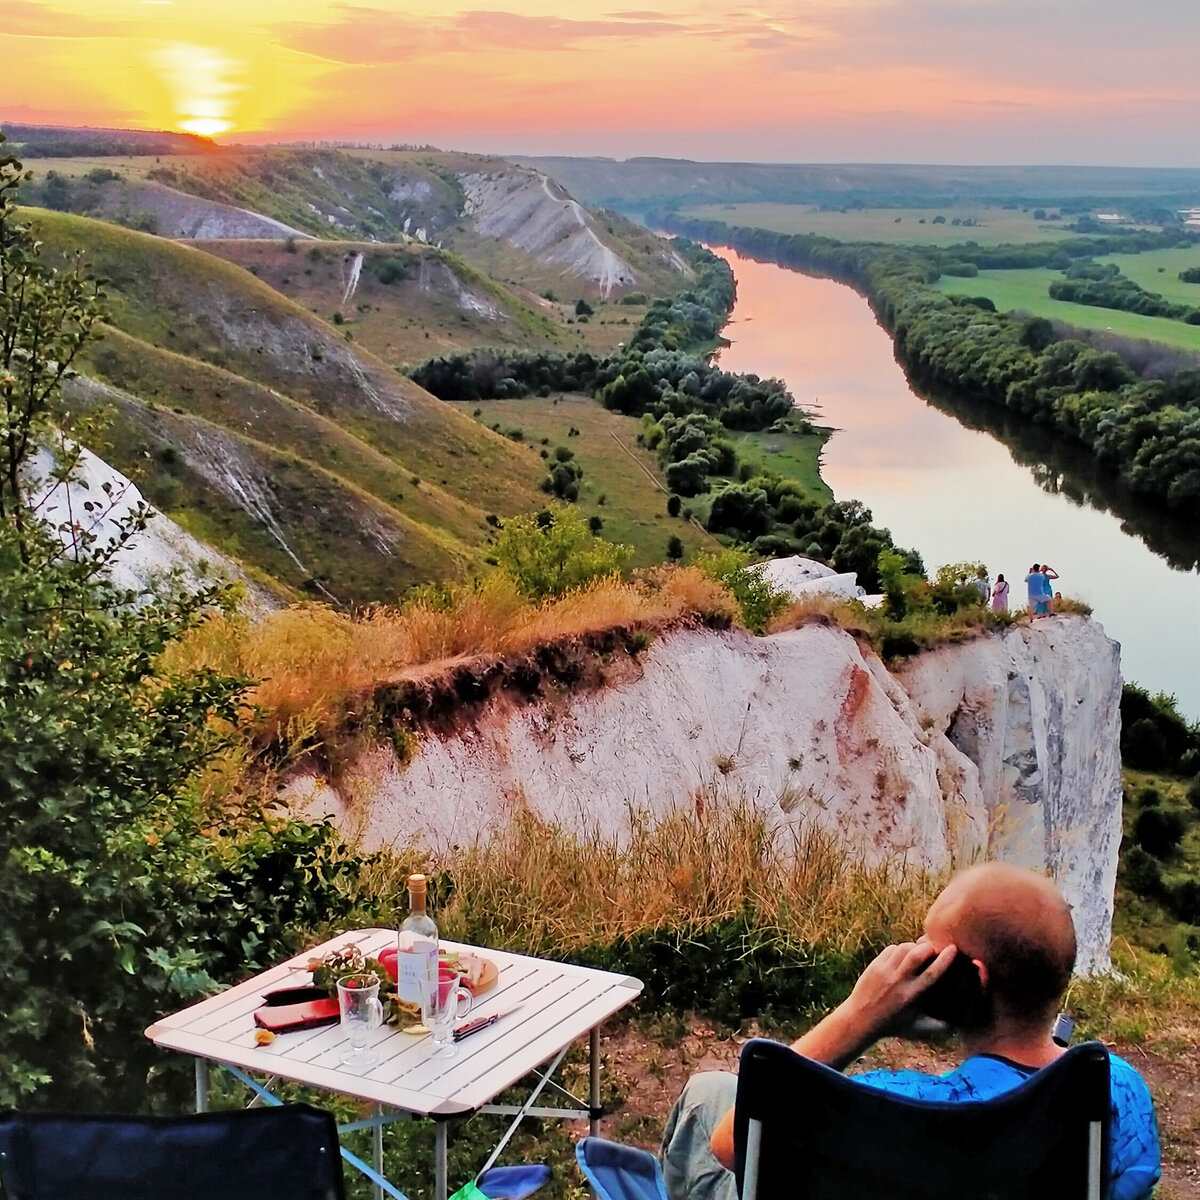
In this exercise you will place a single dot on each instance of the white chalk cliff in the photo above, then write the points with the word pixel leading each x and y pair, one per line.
pixel 1005 746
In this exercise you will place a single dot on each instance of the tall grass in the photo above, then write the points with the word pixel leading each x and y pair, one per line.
pixel 319 668
pixel 540 887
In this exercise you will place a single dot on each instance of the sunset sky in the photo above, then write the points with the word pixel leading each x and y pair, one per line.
pixel 1063 81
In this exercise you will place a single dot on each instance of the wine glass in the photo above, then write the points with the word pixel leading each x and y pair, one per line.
pixel 446 1003
pixel 361 1014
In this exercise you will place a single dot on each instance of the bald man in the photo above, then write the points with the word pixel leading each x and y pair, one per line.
pixel 1017 931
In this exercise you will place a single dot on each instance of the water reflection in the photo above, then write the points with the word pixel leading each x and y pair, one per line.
pixel 977 484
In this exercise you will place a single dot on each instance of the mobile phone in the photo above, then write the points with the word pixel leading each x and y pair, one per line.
pixel 957 997
pixel 285 1018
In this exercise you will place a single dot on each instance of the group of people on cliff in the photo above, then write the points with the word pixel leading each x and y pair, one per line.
pixel 1040 589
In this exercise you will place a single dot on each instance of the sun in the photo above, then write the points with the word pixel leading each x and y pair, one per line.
pixel 206 126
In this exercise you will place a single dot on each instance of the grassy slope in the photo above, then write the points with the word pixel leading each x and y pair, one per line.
pixel 250 410
pixel 635 509
pixel 405 321
pixel 206 340
pixel 193 303
pixel 997 225
pixel 1027 291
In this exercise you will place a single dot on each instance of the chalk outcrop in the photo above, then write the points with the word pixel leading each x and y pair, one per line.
pixel 533 213
pixel 90 511
pixel 1006 746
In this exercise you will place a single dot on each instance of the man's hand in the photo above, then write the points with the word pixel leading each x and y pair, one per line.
pixel 879 1004
pixel 877 1007
pixel 890 984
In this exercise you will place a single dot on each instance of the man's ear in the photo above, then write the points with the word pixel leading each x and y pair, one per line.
pixel 981 967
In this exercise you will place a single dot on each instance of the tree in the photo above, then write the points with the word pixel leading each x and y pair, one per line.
pixel 121 897
pixel 583 308
pixel 46 316
pixel 674 547
pixel 674 504
pixel 553 552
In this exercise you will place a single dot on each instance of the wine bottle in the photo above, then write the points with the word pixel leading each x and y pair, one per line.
pixel 417 955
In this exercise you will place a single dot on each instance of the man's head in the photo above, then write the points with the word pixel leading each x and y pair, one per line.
pixel 1018 927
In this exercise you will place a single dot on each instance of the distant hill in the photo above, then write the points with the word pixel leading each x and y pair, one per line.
pixel 264 432
pixel 640 183
pixel 59 141
pixel 514 224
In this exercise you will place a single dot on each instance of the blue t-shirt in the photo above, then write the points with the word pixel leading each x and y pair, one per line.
pixel 1134 1161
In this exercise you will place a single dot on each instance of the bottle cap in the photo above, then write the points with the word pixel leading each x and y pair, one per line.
pixel 416 883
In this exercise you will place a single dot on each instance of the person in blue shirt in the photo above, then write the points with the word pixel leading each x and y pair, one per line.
pixel 1016 929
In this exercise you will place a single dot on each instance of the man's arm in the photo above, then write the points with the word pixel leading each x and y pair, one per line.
pixel 884 990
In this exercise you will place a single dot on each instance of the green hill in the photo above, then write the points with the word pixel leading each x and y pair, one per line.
pixel 263 430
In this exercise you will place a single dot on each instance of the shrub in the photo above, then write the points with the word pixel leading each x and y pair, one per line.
pixel 674 504
pixel 758 602
pixel 553 552
pixel 1158 830
pixel 674 547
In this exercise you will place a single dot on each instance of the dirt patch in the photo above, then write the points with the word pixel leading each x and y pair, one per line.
pixel 647 1067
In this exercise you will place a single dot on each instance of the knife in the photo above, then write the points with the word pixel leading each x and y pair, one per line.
pixel 465 1031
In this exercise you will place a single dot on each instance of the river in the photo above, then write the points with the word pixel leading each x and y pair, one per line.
pixel 957 493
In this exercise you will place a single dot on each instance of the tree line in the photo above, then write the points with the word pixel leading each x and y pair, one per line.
pixel 688 406
pixel 1103 285
pixel 1145 429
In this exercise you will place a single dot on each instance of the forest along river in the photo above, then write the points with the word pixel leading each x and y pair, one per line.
pixel 957 494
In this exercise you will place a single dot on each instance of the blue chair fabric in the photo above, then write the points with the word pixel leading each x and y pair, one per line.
pixel 620 1172
pixel 513 1183
pixel 285 1153
pixel 825 1137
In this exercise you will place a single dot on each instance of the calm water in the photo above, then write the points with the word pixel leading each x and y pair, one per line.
pixel 956 493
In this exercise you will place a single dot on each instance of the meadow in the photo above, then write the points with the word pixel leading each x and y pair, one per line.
pixel 909 226
pixel 615 467
pixel 1027 291
pixel 1158 271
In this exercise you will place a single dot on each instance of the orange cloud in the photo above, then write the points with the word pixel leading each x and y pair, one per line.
pixel 975 80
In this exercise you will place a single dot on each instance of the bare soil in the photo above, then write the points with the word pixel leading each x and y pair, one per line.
pixel 648 1066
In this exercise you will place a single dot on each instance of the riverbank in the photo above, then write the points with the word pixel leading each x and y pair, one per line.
pixel 961 493
pixel 1140 419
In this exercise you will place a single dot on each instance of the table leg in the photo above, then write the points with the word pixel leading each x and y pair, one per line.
pixel 377 1140
pixel 440 1171
pixel 201 1085
pixel 594 1093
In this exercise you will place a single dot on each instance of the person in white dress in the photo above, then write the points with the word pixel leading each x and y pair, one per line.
pixel 1000 594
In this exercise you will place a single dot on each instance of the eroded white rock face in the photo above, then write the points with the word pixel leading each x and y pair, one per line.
pixel 99 502
pixel 1004 747
pixel 1037 712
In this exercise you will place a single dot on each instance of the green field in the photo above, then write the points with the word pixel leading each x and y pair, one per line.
pixel 1158 271
pixel 899 225
pixel 795 456
pixel 1028 292
pixel 635 500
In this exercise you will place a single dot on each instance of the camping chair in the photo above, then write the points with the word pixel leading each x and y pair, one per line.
pixel 806 1132
pixel 284 1153
pixel 802 1129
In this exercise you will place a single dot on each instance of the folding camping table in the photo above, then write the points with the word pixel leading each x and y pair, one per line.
pixel 559 1003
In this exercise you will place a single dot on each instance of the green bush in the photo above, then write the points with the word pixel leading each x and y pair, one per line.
pixel 1158 830
pixel 125 892
pixel 551 552
pixel 757 600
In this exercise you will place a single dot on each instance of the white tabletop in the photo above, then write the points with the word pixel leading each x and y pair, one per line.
pixel 559 1004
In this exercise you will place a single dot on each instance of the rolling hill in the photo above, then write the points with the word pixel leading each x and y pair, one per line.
pixel 263 431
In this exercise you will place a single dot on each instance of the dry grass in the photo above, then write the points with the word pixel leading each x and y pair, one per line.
pixel 539 887
pixel 319 668
pixel 920 629
pixel 1146 1000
